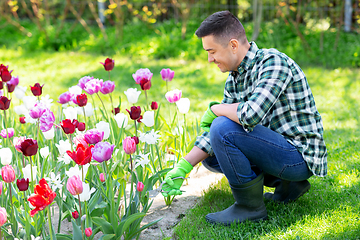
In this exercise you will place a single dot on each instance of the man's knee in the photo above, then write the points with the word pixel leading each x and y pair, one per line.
pixel 212 164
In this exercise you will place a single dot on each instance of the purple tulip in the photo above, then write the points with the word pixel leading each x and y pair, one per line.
pixel 37 110
pixel 14 81
pixel 93 136
pixel 107 87
pixel 173 96
pixel 10 133
pixel 142 73
pixel 46 120
pixel 65 97
pixel 102 151
pixel 83 81
pixel 93 86
pixel 167 75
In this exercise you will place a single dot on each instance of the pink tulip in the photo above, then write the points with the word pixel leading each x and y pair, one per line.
pixel 142 73
pixel 83 81
pixel 1 188
pixel 102 177
pixel 46 121
pixel 80 139
pixel 3 217
pixel 9 132
pixel 37 111
pixel 8 173
pixel 93 136
pixel 93 86
pixel 14 81
pixel 74 185
pixel 88 232
pixel 107 87
pixel 17 143
pixel 167 75
pixel 102 151
pixel 65 97
pixel 173 96
pixel 129 145
pixel 140 186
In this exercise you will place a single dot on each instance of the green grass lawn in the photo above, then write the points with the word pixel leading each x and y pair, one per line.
pixel 331 209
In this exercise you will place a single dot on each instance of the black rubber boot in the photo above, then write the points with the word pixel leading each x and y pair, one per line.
pixel 249 204
pixel 287 191
pixel 271 181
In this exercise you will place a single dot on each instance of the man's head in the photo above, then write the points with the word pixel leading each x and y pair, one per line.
pixel 224 39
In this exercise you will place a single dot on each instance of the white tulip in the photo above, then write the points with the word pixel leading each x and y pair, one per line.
pixel 148 118
pixel 121 120
pixel 70 113
pixel 132 95
pixel 105 127
pixel 6 156
pixel 183 105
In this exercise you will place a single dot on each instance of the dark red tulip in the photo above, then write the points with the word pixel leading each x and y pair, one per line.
pixel 109 64
pixel 68 126
pixel 10 87
pixel 22 184
pixel 81 100
pixel 1 85
pixel 145 84
pixel 4 103
pixel 75 214
pixel 36 89
pixel 139 119
pixel 81 126
pixel 154 105
pixel 75 123
pixel 22 120
pixel 136 139
pixel 5 75
pixel 29 147
pixel 134 112
pixel 115 110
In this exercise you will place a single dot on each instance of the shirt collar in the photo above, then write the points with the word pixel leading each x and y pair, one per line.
pixel 250 55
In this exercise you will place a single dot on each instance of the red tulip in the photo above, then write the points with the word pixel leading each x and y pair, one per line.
pixel 42 198
pixel 136 139
pixel 22 120
pixel 82 155
pixel 88 231
pixel 22 184
pixel 154 105
pixel 36 89
pixel 29 147
pixel 68 126
pixel 115 110
pixel 109 64
pixel 81 126
pixel 1 85
pixel 10 87
pixel 134 112
pixel 4 103
pixel 145 84
pixel 5 75
pixel 81 100
pixel 75 214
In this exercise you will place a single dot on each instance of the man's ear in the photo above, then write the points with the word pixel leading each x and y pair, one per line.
pixel 234 44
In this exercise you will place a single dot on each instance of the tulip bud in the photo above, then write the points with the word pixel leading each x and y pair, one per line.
pixel 88 232
pixel 36 89
pixel 81 126
pixel 134 112
pixel 74 185
pixel 129 145
pixel 3 216
pixel 8 173
pixel 139 186
pixel 10 87
pixel 154 105
pixel 102 177
pixel 167 74
pixel 4 103
pixel 136 139
pixel 75 214
pixel 22 120
pixel 115 110
pixel 22 184
pixel 109 64
pixel 81 100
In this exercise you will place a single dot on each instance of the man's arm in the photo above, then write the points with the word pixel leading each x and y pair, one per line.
pixel 227 110
pixel 195 156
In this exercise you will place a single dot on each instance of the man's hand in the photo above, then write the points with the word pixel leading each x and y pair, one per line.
pixel 208 118
pixel 172 187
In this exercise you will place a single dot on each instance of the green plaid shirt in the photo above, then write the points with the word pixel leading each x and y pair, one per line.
pixel 273 91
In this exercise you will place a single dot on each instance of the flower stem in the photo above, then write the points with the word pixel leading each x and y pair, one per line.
pixel 82 226
pixel 49 220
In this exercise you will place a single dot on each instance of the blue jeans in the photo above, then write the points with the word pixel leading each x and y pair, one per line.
pixel 238 153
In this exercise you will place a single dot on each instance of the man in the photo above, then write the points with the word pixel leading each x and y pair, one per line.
pixel 266 131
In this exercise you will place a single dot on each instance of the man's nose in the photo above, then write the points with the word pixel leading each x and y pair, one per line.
pixel 210 58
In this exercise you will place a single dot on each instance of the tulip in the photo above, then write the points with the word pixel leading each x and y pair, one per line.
pixel 1 85
pixel 145 84
pixel 4 103
pixel 93 136
pixel 136 139
pixel 42 198
pixel 3 216
pixel 115 110
pixel 6 75
pixel 173 96
pixel 14 81
pixel 5 156
pixel 70 113
pixel 74 185
pixel 65 98
pixel 82 154
pixel 68 126
pixel 22 184
pixel 103 127
pixel 139 186
pixel 27 172
pixel 1 188
pixel 75 214
pixel 121 120
pixel 107 87
pixel 8 173
pixel 46 121
pixel 36 89
pixel 132 95
pixel 88 232
pixel 183 105
pixel 148 119
pixel 101 177
pixel 167 75
pixel 102 151
pixel 142 73
pixel 154 105
pixel 10 87
pixel 93 86
pixel 17 142
pixel 81 126
pixel 81 100
pixel 29 147
pixel 129 145
pixel 83 81
pixel 8 132
pixel 50 134
pixel 109 64
pixel 20 92
pixel 22 120
pixel 37 111
pixel 134 112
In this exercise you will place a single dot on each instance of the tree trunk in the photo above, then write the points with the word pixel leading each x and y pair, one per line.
pixel 257 16
pixel 348 15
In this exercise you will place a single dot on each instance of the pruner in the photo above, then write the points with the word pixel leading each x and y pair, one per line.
pixel 153 193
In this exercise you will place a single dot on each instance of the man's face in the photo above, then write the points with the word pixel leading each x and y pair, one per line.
pixel 222 56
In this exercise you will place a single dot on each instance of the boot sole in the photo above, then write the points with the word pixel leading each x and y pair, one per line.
pixel 269 196
pixel 209 220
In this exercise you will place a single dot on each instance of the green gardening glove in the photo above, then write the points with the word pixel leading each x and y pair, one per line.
pixel 208 118
pixel 172 186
